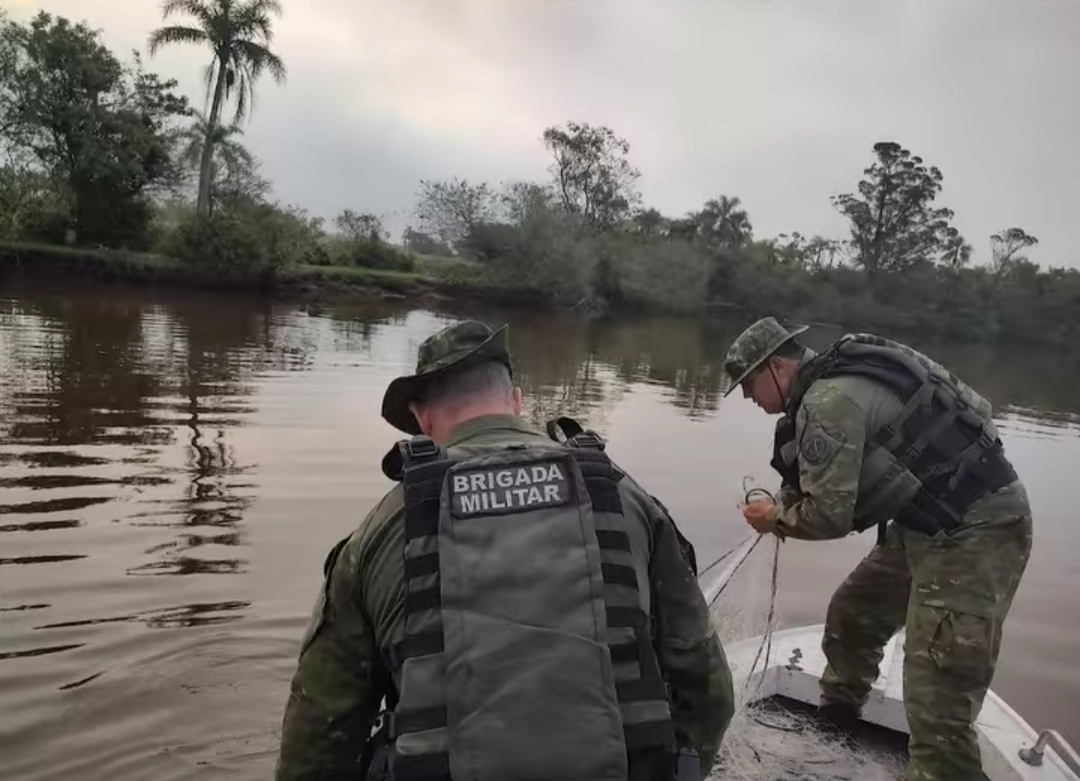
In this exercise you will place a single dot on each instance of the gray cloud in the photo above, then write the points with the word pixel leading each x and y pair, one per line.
pixel 777 102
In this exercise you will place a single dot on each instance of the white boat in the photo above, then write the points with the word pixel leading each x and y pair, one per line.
pixel 1011 749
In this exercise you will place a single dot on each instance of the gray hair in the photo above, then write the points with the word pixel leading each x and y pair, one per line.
pixel 488 380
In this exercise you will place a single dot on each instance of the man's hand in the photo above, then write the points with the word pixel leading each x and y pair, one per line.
pixel 761 515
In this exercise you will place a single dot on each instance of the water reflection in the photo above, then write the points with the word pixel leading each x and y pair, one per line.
pixel 44 651
pixel 42 559
pixel 41 526
pixel 117 411
pixel 53 505
pixel 50 460
pixel 573 364
pixel 168 618
pixel 138 432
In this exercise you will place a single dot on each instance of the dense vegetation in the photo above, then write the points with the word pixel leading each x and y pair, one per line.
pixel 98 154
pixel 101 154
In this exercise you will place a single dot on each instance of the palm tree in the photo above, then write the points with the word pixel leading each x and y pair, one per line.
pixel 238 33
pixel 230 160
pixel 729 224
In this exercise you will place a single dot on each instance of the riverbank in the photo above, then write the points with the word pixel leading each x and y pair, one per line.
pixel 908 308
pixel 433 279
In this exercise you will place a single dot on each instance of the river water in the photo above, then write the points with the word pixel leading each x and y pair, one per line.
pixel 175 467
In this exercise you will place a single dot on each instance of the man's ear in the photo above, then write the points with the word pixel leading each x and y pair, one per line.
pixel 422 419
pixel 518 397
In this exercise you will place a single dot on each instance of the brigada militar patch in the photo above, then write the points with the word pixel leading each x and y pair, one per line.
pixel 816 448
pixel 512 489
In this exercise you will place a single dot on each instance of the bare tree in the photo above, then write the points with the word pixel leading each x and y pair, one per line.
pixel 1007 248
pixel 451 210
pixel 594 179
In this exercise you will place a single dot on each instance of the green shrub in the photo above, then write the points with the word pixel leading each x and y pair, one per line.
pixel 489 241
pixel 247 238
pixel 650 273
pixel 366 253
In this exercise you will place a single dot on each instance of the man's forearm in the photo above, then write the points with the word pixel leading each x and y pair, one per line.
pixel 805 519
pixel 703 704
pixel 318 747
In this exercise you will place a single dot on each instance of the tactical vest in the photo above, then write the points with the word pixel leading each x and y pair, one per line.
pixel 528 650
pixel 943 437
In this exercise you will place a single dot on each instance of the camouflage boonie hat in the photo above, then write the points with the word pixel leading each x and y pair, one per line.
pixel 455 347
pixel 754 346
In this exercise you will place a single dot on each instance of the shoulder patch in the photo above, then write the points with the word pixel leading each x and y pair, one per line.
pixel 816 447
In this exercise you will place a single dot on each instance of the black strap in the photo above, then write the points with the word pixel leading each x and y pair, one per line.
pixel 640 690
pixel 376 758
pixel 890 435
pixel 417 720
pixel 419 450
pixel 649 733
pixel 613 540
pixel 421 644
pixel 619 575
pixel 586 440
pixel 624 652
pixel 424 599
pixel 942 423
pixel 626 617
pixel 421 522
pixel 649 664
pixel 604 496
pixel 418 566
pixel 601 480
pixel 930 512
pixel 423 486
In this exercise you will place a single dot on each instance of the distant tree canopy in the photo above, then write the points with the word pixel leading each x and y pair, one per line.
pixel 102 134
pixel 238 34
pixel 904 267
pixel 95 151
pixel 423 244
pixel 360 227
pixel 594 179
pixel 1006 249
pixel 893 222
pixel 451 210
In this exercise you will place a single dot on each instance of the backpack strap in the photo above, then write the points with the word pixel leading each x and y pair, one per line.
pixel 423 467
pixel 643 695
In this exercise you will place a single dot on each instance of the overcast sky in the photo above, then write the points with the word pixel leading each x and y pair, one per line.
pixel 778 103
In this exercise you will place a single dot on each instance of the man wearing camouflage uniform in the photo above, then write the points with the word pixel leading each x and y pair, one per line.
pixel 874 434
pixel 523 606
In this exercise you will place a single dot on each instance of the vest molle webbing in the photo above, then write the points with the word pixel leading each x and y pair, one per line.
pixel 944 434
pixel 521 607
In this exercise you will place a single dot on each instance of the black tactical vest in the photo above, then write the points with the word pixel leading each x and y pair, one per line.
pixel 940 436
pixel 528 650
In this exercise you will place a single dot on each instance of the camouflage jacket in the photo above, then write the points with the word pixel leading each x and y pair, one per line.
pixel 337 688
pixel 845 484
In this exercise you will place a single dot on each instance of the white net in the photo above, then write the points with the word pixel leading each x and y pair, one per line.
pixel 765 741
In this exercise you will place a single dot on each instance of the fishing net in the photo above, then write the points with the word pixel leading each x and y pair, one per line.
pixel 768 741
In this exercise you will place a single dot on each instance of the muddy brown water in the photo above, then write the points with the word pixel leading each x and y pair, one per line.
pixel 174 468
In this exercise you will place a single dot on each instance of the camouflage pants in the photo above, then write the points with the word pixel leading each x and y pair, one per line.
pixel 951 593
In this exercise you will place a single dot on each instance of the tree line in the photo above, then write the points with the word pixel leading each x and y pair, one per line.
pixel 584 235
pixel 96 152
pixel 99 152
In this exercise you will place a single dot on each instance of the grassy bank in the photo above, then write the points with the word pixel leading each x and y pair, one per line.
pixel 433 277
